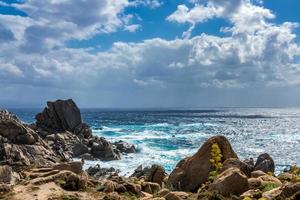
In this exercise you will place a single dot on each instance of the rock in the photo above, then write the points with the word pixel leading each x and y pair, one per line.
pixel 265 163
pixel 60 115
pixel 285 176
pixel 257 173
pixel 266 179
pixel 155 174
pixel 254 183
pixel 80 149
pixel 74 182
pixel 190 173
pixel 289 190
pixel 75 166
pixel 176 196
pixel 5 174
pixel 96 172
pixel 234 162
pixel 256 194
pixel 112 196
pixel 4 189
pixel 271 194
pixel 125 147
pixel 21 147
pixel 133 188
pixel 230 182
pixel 104 150
pixel 163 192
pixel 150 187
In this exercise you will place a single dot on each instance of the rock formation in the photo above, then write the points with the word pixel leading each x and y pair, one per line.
pixel 60 124
pixel 190 173
pixel 20 146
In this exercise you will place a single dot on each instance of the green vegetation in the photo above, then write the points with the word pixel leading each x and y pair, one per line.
pixel 216 161
pixel 268 187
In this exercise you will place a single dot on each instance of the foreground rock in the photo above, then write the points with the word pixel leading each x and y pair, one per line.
pixel 155 173
pixel 230 182
pixel 190 173
pixel 60 124
pixel 20 146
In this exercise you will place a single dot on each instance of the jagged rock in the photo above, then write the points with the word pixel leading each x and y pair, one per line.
pixel 75 166
pixel 176 196
pixel 21 147
pixel 230 182
pixel 80 149
pixel 234 162
pixel 155 174
pixel 190 173
pixel 125 147
pixel 265 163
pixel 61 125
pixel 60 115
pixel 150 187
pixel 97 172
pixel 104 150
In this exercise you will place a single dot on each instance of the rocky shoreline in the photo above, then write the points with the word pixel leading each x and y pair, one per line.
pixel 36 163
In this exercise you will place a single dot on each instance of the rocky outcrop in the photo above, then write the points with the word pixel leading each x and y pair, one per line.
pixel 193 171
pixel 265 163
pixel 60 124
pixel 230 182
pixel 155 174
pixel 59 116
pixel 125 147
pixel 20 146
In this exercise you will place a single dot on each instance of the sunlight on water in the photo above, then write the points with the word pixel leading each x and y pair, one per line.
pixel 165 137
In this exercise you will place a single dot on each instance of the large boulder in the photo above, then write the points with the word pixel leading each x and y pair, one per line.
pixel 60 115
pixel 265 163
pixel 230 182
pixel 190 173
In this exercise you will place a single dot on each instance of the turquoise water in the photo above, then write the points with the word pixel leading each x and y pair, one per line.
pixel 165 137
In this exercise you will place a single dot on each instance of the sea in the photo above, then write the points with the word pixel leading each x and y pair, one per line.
pixel 165 136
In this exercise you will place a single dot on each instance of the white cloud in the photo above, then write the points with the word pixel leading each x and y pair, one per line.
pixel 148 3
pixel 255 53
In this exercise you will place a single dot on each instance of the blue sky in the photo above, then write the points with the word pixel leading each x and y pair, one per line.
pixel 150 53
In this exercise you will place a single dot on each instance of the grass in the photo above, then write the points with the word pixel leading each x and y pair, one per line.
pixel 269 186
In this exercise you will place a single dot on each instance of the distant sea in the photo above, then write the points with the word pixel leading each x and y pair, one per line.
pixel 166 136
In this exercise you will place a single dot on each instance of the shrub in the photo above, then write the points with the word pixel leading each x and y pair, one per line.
pixel 216 161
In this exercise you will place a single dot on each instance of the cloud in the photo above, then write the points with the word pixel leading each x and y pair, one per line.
pixel 256 54
pixel 149 3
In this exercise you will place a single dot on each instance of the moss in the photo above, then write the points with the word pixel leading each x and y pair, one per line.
pixel 268 187
pixel 247 198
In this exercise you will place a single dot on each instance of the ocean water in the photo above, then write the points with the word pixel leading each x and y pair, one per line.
pixel 166 136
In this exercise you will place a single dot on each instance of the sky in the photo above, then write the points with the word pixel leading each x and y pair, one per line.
pixel 150 53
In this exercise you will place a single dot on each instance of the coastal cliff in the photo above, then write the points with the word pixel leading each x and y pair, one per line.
pixel 36 162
